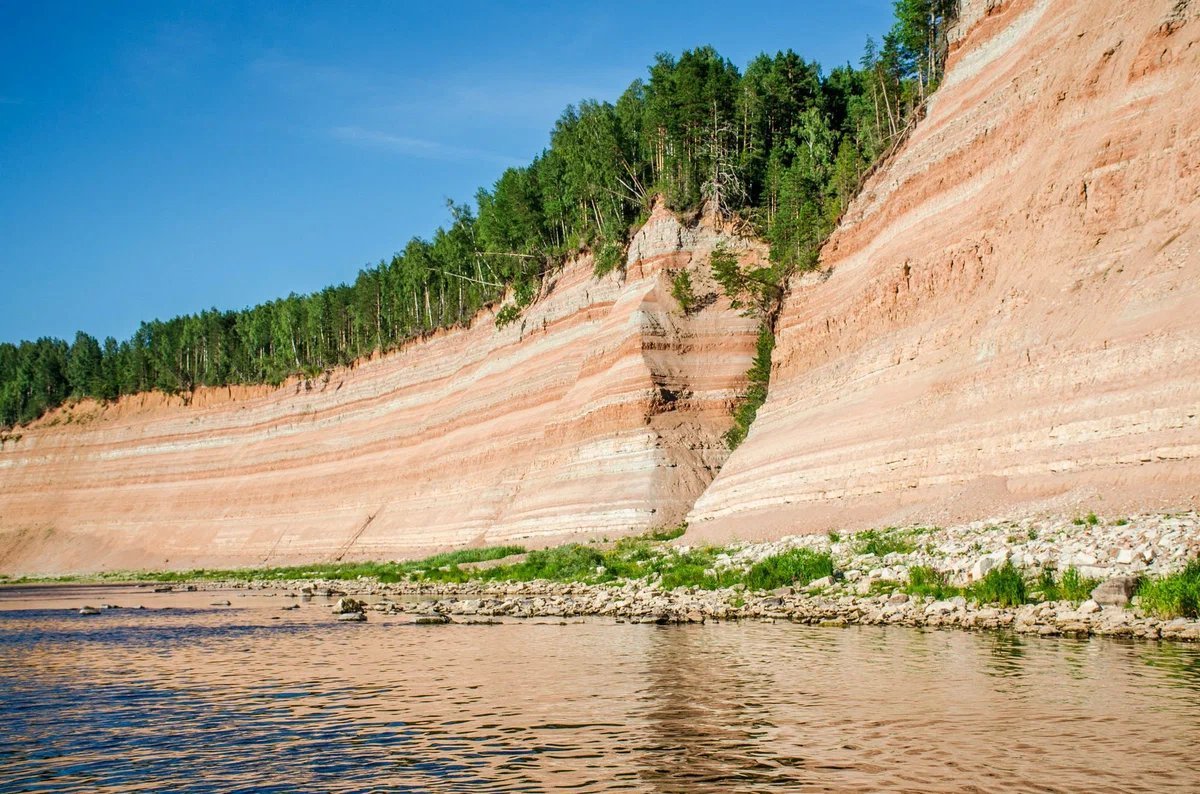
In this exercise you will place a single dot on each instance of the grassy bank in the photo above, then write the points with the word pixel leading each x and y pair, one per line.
pixel 651 560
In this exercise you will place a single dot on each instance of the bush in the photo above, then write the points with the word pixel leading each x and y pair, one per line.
pixel 507 315
pixel 1004 586
pixel 667 533
pixel 682 291
pixel 926 581
pixel 1173 596
pixel 1071 586
pixel 797 567
pixel 882 543
pixel 609 256
pixel 571 562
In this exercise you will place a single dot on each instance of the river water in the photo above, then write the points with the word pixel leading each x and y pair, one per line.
pixel 190 696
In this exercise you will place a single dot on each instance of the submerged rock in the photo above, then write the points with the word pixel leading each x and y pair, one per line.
pixel 433 619
pixel 352 617
pixel 89 611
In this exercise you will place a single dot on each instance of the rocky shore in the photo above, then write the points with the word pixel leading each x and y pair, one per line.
pixel 868 588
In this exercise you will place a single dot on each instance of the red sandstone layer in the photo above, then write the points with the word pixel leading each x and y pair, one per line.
pixel 599 412
pixel 1008 318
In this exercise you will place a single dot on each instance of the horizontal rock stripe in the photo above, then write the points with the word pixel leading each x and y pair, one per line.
pixel 1008 317
pixel 599 412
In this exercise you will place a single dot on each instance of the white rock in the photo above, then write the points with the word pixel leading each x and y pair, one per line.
pixel 981 567
pixel 1089 607
pixel 1125 556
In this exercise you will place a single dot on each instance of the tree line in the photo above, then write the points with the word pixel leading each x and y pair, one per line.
pixel 778 145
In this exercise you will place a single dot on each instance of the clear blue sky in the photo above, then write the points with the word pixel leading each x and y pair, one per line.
pixel 158 158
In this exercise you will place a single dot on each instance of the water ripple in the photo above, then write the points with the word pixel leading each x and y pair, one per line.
pixel 232 699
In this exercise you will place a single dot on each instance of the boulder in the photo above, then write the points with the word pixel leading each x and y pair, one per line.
pixel 89 611
pixel 1115 592
pixel 348 606
pixel 352 617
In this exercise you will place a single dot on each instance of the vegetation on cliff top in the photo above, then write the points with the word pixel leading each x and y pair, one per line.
pixel 779 145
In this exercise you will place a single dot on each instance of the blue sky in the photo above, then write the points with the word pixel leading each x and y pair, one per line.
pixel 158 158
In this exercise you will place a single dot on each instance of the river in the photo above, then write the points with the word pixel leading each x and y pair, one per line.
pixel 191 695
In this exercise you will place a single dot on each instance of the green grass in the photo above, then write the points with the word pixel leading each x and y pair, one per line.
pixel 572 562
pixel 1004 586
pixel 1174 596
pixel 695 569
pixel 440 567
pixel 926 581
pixel 1071 586
pixel 883 542
pixel 666 533
pixel 797 567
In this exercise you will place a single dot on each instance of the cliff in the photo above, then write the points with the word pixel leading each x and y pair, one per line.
pixel 599 412
pixel 1007 320
pixel 1008 317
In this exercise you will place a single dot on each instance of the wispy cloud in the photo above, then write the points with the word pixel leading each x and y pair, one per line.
pixel 418 147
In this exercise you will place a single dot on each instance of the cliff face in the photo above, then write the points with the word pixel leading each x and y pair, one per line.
pixel 1007 319
pixel 1009 315
pixel 599 412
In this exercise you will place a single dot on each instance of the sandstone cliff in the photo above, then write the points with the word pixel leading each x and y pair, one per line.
pixel 1008 318
pixel 599 412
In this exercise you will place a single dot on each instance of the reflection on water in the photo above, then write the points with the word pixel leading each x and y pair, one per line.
pixel 250 697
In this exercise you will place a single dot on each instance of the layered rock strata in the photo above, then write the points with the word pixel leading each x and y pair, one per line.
pixel 1008 317
pixel 600 411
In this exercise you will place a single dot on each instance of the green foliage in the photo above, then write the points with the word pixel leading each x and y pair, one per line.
pixel 1071 586
pixel 797 567
pixel 834 537
pixel 754 289
pixel 1004 586
pixel 778 145
pixel 926 581
pixel 608 257
pixel 682 291
pixel 508 314
pixel 1092 519
pixel 440 567
pixel 883 542
pixel 694 568
pixel 667 533
pixel 759 378
pixel 1173 596
pixel 569 563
